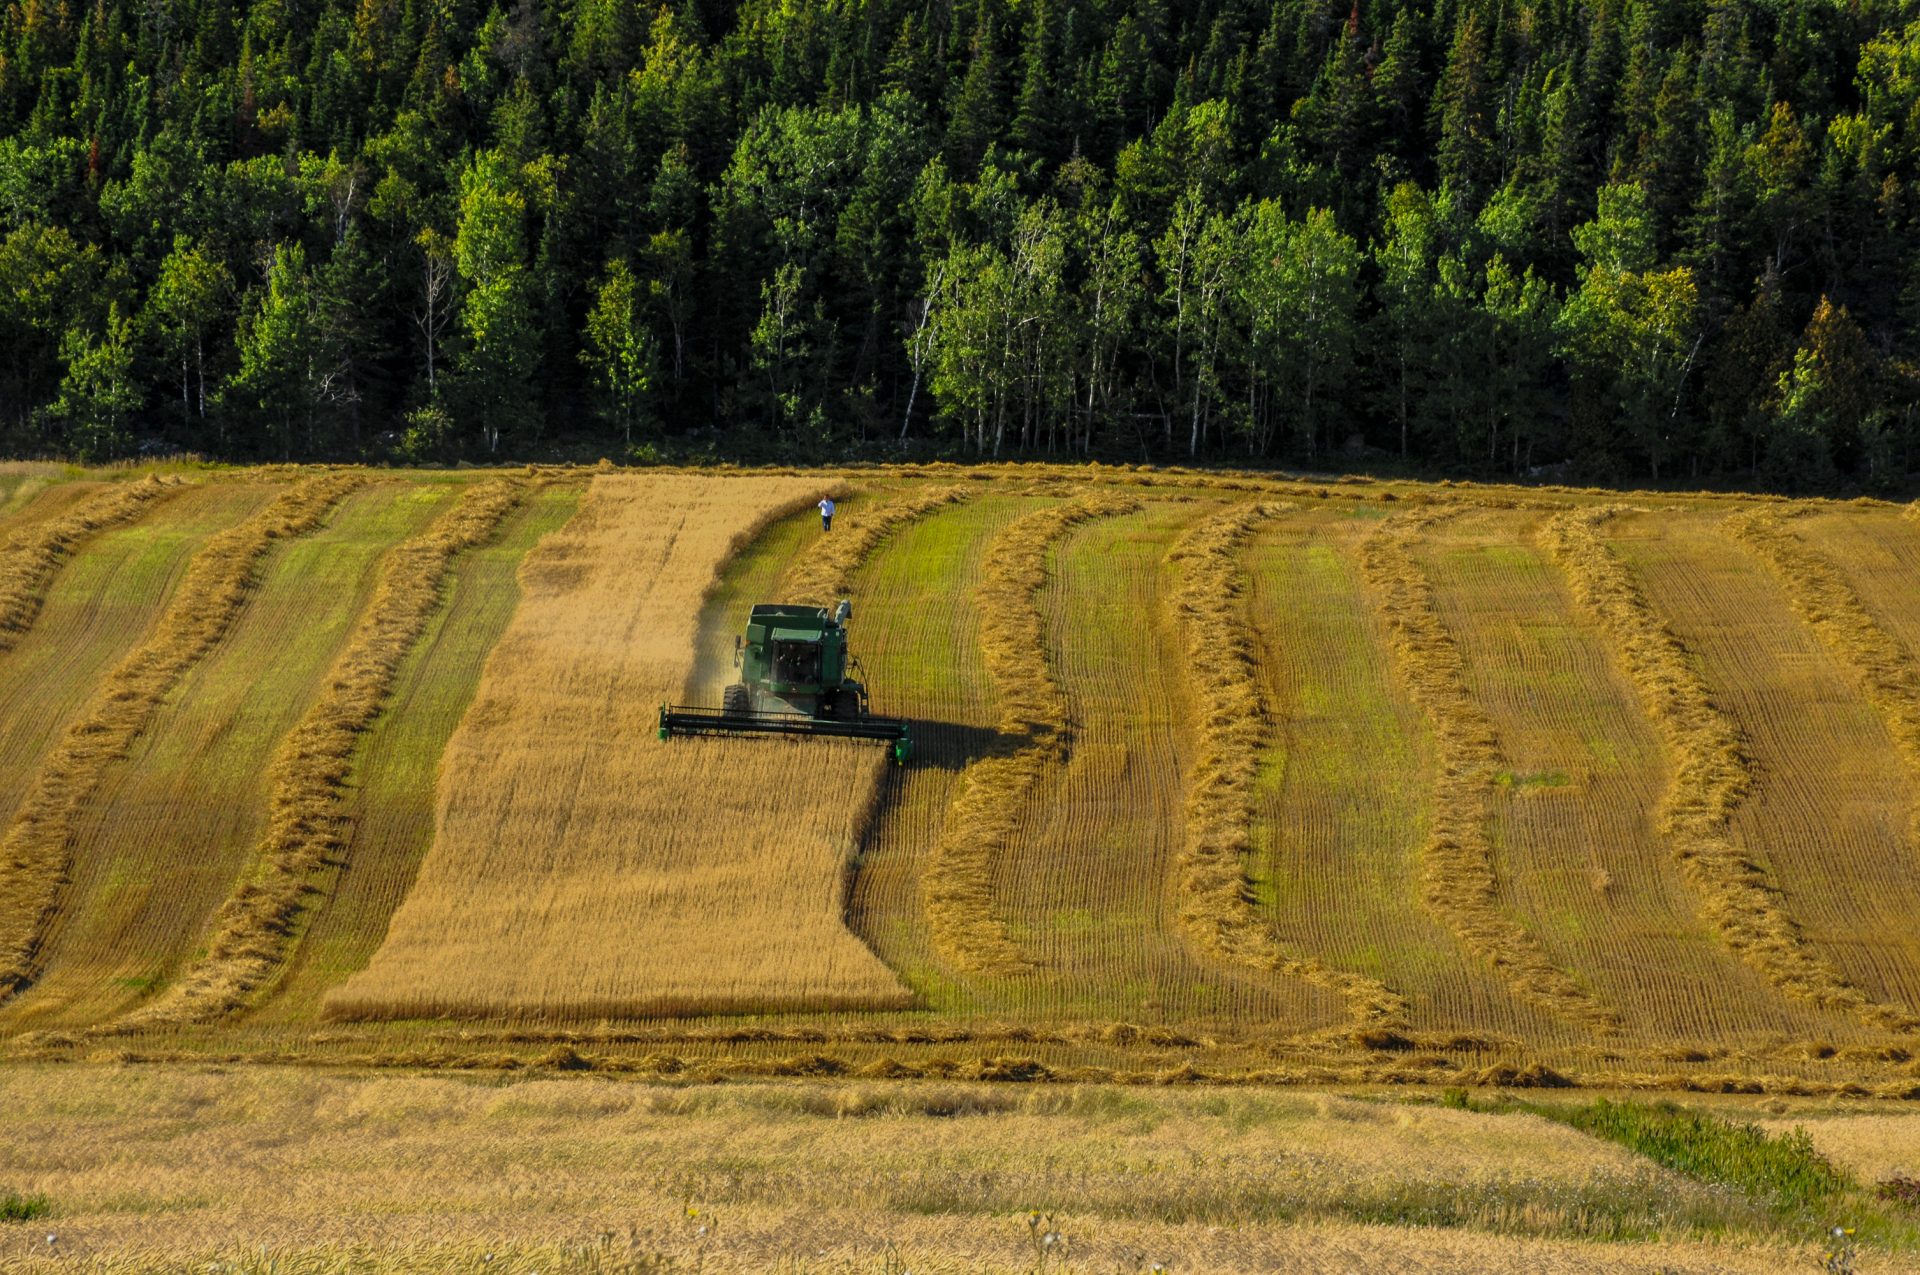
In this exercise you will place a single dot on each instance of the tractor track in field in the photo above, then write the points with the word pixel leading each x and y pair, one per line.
pixel 256 926
pixel 1712 776
pixel 1035 734
pixel 1458 881
pixel 1212 885
pixel 35 849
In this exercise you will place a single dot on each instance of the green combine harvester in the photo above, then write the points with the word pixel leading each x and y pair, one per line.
pixel 796 678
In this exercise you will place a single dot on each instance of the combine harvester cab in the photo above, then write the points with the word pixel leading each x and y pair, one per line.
pixel 796 678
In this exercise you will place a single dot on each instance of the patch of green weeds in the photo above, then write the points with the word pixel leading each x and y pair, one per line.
pixel 15 1207
pixel 1784 1173
pixel 1526 781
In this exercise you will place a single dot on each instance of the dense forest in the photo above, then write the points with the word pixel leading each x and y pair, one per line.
pixel 1675 240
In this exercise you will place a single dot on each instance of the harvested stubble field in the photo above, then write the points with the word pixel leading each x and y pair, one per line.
pixel 314 781
pixel 1231 778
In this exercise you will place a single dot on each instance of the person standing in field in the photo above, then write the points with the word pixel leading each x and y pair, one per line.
pixel 826 514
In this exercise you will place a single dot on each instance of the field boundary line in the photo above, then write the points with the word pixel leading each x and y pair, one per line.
pixel 255 928
pixel 1034 735
pixel 30 560
pixel 1458 883
pixel 36 849
pixel 1834 609
pixel 1523 1071
pixel 1213 890
pixel 1712 775
pixel 824 572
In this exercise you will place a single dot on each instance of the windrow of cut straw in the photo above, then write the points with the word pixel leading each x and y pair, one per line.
pixel 1457 879
pixel 1213 890
pixel 1814 587
pixel 824 573
pixel 255 926
pixel 1034 736
pixel 30 560
pixel 1711 777
pixel 34 853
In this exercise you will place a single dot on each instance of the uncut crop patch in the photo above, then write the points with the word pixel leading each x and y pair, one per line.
pixel 1829 794
pixel 167 833
pixel 1574 834
pixel 582 868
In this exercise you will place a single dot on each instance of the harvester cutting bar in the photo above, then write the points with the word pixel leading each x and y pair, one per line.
pixel 681 719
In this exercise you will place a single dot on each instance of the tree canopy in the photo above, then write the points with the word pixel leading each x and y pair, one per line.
pixel 1625 239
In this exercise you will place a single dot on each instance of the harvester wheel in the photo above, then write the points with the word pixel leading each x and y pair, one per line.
pixel 736 700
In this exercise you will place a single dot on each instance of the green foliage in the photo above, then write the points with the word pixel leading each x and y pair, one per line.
pixel 1466 240
pixel 15 1207
pixel 620 349
pixel 1784 1173
pixel 98 393
pixel 279 354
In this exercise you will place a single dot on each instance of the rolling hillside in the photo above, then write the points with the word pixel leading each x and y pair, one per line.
pixel 1219 777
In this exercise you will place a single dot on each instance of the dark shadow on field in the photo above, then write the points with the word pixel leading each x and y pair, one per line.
pixel 952 746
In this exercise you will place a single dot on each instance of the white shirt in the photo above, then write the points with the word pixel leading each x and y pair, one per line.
pixel 826 506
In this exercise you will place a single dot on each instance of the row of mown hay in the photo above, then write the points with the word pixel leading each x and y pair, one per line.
pixel 30 560
pixel 1034 737
pixel 824 573
pixel 1458 884
pixel 1423 1069
pixel 1711 777
pixel 1215 900
pixel 255 926
pixel 34 853
pixel 1815 589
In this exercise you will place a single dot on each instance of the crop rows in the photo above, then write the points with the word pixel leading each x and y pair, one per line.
pixel 1458 882
pixel 1214 890
pixel 29 560
pixel 254 927
pixel 1711 777
pixel 1034 734
pixel 1880 663
pixel 387 808
pixel 1270 787
pixel 35 848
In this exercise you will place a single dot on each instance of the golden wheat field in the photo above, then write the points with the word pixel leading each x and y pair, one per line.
pixel 314 781
pixel 1218 777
